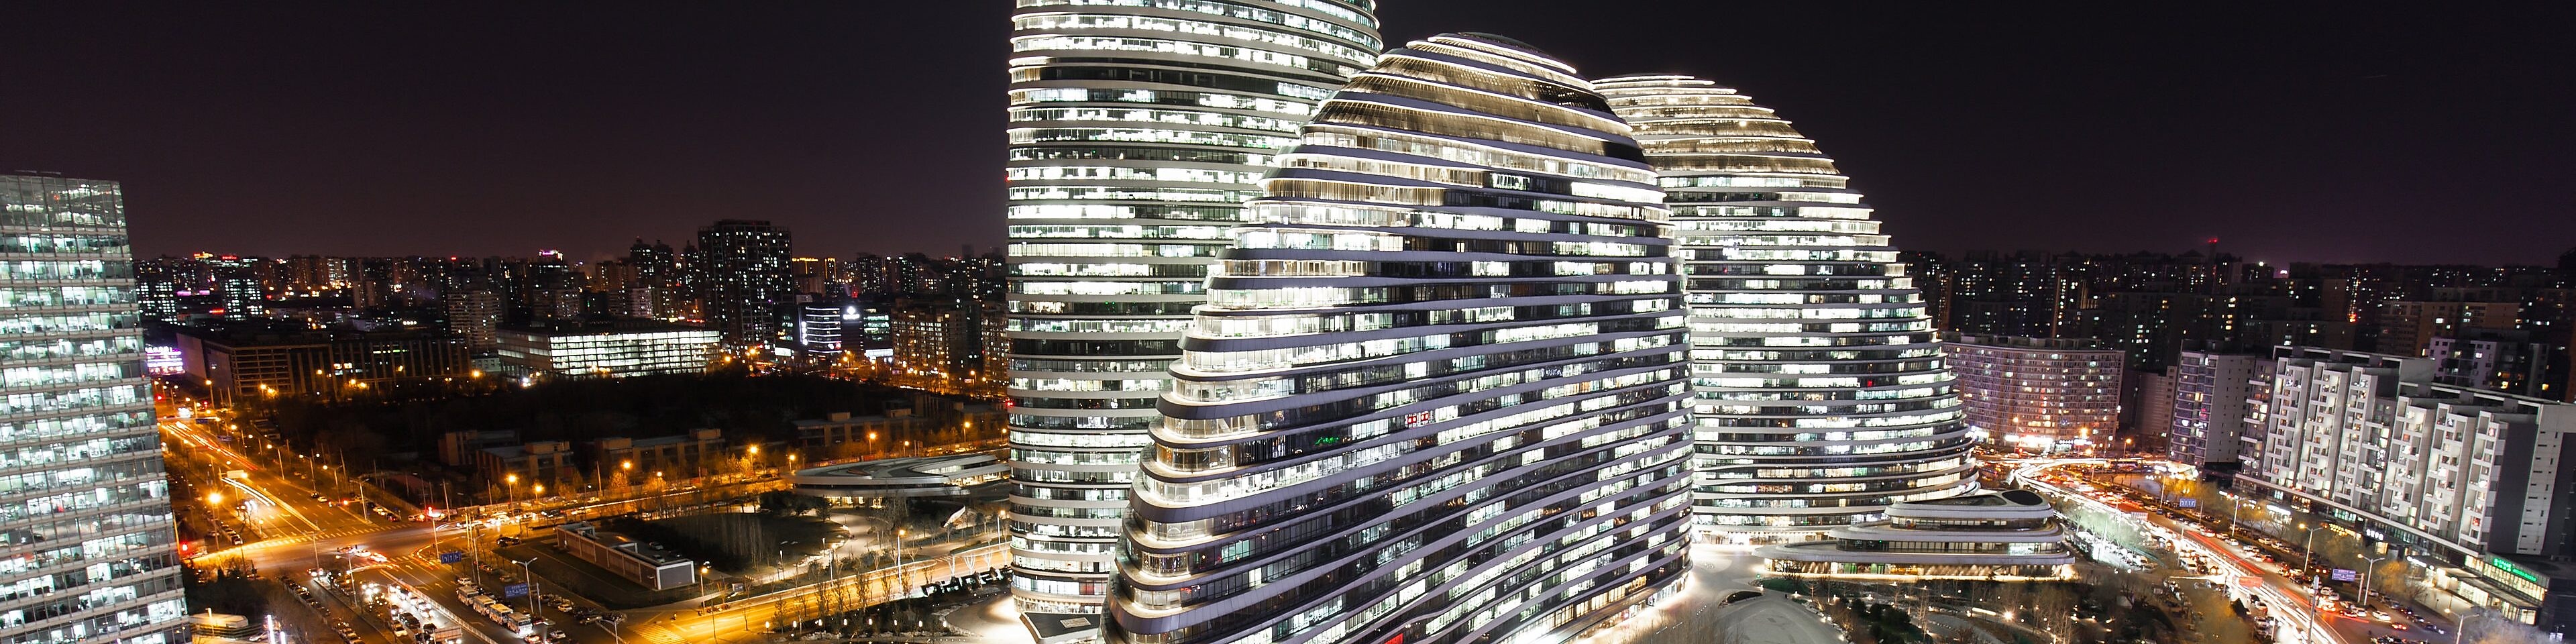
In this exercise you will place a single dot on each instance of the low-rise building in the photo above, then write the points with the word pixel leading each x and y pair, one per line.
pixel 515 471
pixel 647 564
pixel 674 456
pixel 841 435
pixel 605 349
pixel 869 482
pixel 2012 535
pixel 252 360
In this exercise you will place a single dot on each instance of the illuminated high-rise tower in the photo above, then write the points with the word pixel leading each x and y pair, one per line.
pixel 1820 394
pixel 1436 392
pixel 1137 130
pixel 91 549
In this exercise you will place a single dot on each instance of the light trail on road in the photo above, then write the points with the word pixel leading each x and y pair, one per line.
pixel 2314 626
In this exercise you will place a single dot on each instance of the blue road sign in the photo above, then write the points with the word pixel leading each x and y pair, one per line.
pixel 451 556
pixel 2345 574
pixel 514 590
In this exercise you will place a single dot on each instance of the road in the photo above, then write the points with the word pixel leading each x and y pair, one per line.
pixel 270 497
pixel 2229 564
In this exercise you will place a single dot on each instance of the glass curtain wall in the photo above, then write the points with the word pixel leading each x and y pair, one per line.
pixel 1436 392
pixel 91 550
pixel 1820 396
pixel 1137 129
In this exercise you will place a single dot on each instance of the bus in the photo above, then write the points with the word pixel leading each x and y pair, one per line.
pixel 519 624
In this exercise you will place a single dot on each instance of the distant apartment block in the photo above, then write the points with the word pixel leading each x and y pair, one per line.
pixel 2039 394
pixel 2208 405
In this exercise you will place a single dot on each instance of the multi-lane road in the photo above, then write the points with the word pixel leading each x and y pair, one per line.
pixel 2229 564
pixel 291 526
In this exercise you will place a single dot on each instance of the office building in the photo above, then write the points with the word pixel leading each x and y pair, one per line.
pixel 1136 131
pixel 1819 393
pixel 1446 353
pixel 2012 535
pixel 619 460
pixel 818 326
pixel 2039 394
pixel 646 564
pixel 2210 394
pixel 744 286
pixel 2471 485
pixel 92 549
pixel 607 349
pixel 260 359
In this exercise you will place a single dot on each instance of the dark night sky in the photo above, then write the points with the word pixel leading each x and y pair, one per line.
pixel 2420 133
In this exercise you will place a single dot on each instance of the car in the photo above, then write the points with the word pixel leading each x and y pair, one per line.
pixel 2397 625
pixel 400 630
pixel 510 541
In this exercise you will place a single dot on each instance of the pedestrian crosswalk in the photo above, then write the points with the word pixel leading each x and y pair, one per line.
pixel 309 537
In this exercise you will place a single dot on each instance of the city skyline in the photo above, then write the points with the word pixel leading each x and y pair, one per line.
pixel 233 119
pixel 1288 322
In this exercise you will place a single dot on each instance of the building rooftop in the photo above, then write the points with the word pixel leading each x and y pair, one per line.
pixel 584 327
pixel 901 476
pixel 2020 342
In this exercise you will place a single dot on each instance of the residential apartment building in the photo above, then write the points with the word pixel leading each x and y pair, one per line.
pixel 2458 476
pixel 2208 406
pixel 2039 394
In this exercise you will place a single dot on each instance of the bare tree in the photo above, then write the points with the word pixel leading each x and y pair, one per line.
pixel 2484 626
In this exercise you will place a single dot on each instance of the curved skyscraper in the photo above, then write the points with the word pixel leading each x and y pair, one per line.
pixel 1436 392
pixel 1137 128
pixel 1819 392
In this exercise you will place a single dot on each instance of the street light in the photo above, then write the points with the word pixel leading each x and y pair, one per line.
pixel 2370 562
pixel 2308 553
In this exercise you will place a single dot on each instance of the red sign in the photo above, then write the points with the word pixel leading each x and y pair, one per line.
pixel 1417 419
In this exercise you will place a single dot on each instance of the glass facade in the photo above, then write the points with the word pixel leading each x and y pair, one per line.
pixel 619 353
pixel 1819 392
pixel 1436 392
pixel 1137 129
pixel 87 545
